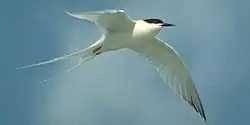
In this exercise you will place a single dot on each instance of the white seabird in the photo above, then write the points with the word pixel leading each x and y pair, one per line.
pixel 120 31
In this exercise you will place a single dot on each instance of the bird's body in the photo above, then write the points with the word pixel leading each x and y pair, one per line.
pixel 140 36
pixel 139 32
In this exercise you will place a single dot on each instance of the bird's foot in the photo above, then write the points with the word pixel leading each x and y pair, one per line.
pixel 97 50
pixel 98 53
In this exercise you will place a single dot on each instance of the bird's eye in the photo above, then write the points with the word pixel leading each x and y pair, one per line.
pixel 154 21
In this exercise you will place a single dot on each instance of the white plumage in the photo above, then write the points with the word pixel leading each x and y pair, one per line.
pixel 120 31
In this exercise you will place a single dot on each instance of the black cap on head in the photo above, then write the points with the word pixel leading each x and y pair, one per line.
pixel 157 21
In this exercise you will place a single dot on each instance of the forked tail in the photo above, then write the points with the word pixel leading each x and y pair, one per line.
pixel 84 53
pixel 83 56
pixel 80 61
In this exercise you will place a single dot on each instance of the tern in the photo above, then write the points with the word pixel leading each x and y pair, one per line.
pixel 120 31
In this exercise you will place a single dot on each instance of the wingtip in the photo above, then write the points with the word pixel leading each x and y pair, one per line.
pixel 199 109
pixel 72 14
pixel 204 117
pixel 67 12
pixel 202 113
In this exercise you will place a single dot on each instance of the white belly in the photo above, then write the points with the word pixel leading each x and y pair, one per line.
pixel 117 41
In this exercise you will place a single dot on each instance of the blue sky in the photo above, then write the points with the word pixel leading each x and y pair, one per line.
pixel 118 87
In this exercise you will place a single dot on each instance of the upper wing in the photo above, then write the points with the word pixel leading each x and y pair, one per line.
pixel 173 71
pixel 114 20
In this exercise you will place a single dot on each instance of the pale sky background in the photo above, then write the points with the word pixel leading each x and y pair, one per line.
pixel 119 88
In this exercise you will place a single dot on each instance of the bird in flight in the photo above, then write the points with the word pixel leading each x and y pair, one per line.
pixel 122 32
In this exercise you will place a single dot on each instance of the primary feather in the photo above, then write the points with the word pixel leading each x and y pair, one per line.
pixel 172 69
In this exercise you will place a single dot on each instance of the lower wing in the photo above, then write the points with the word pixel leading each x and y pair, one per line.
pixel 173 71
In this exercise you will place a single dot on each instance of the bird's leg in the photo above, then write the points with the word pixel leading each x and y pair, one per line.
pixel 96 51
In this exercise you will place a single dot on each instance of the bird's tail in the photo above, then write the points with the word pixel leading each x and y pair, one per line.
pixel 83 56
pixel 80 61
pixel 84 53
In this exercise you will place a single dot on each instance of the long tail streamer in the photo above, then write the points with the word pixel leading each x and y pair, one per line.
pixel 80 61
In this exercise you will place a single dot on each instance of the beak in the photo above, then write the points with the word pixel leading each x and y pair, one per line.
pixel 167 25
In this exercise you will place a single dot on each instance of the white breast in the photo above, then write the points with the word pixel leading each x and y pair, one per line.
pixel 118 40
pixel 141 32
pixel 143 29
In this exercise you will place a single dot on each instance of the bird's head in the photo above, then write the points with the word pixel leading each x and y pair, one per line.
pixel 157 22
pixel 153 25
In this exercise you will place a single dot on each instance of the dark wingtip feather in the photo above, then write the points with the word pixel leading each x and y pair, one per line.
pixel 198 109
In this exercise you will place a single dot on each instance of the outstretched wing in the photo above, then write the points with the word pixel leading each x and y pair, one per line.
pixel 173 71
pixel 113 20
